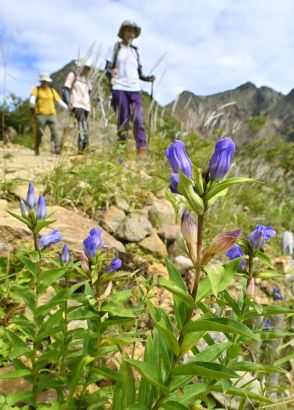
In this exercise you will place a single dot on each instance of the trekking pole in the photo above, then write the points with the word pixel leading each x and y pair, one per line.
pixel 150 114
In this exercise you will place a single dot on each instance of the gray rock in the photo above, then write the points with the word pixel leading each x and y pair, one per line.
pixel 121 203
pixel 154 244
pixel 162 213
pixel 169 233
pixel 112 219
pixel 183 263
pixel 134 228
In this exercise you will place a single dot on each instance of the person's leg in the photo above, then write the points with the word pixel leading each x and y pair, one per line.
pixel 121 106
pixel 40 128
pixel 139 130
pixel 81 117
pixel 52 123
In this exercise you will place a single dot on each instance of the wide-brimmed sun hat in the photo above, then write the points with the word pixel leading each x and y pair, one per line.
pixel 83 63
pixel 45 77
pixel 131 24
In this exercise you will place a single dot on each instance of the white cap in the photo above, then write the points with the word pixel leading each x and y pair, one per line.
pixel 45 77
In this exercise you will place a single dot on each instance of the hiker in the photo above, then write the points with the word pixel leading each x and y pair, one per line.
pixel 287 243
pixel 42 104
pixel 125 71
pixel 76 93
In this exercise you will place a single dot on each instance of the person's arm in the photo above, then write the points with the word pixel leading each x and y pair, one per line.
pixel 66 95
pixel 33 100
pixel 148 78
pixel 58 100
pixel 62 104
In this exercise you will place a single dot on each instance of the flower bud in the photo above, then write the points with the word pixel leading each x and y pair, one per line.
pixel 220 244
pixel 250 289
pixel 65 255
pixel 114 265
pixel 41 208
pixel 31 197
pixel 23 208
pixel 178 158
pixel 234 253
pixel 52 237
pixel 220 161
pixel 188 228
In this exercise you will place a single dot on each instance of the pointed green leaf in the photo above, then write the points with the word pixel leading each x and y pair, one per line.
pixel 219 325
pixel 16 373
pixel 216 273
pixel 42 224
pixel 186 188
pixel 149 373
pixel 215 197
pixel 268 310
pixel 284 359
pixel 20 218
pixel 255 367
pixel 220 186
pixel 173 405
pixel 211 353
pixel 177 291
pixel 189 394
pixel 272 334
pixel 50 276
pixel 205 369
pixel 264 258
pixel 247 394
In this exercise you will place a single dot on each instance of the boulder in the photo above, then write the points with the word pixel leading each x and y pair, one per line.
pixel 162 213
pixel 183 263
pixel 154 244
pixel 169 233
pixel 134 228
pixel 123 204
pixel 112 219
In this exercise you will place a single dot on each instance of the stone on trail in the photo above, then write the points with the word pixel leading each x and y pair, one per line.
pixel 154 244
pixel 112 218
pixel 169 233
pixel 183 263
pixel 134 228
pixel 162 213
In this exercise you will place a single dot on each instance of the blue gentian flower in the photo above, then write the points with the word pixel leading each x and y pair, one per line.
pixel 92 242
pixel 65 255
pixel 174 183
pixel 220 161
pixel 115 264
pixel 234 253
pixel 31 197
pixel 41 208
pixel 178 158
pixel 267 324
pixel 52 237
pixel 277 294
pixel 260 235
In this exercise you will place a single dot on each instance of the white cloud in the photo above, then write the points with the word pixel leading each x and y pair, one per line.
pixel 211 45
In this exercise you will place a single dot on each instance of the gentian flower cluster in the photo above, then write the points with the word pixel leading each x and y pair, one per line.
pixel 93 242
pixel 234 253
pixel 32 206
pixel 260 236
pixel 178 159
pixel 220 161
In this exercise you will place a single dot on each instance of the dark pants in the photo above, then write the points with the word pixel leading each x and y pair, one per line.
pixel 81 116
pixel 124 104
pixel 41 122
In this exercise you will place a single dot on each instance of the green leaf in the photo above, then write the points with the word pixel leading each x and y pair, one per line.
pixel 190 340
pixel 219 325
pixel 189 394
pixel 177 291
pixel 26 294
pixel 31 266
pixel 124 392
pixel 220 186
pixel 20 218
pixel 117 309
pixel 211 353
pixel 216 273
pixel 205 289
pixel 205 369
pixel 284 359
pixel 173 405
pixel 255 367
pixel 247 394
pixel 42 224
pixel 264 258
pixel 82 313
pixel 272 334
pixel 50 276
pixel 186 188
pixel 198 180
pixel 215 197
pixel 149 373
pixel 267 311
pixel 232 303
pixel 13 398
pixel 16 373
pixel 20 347
pixel 179 306
pixel 115 321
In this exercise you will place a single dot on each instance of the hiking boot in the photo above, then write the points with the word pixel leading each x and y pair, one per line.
pixel 142 152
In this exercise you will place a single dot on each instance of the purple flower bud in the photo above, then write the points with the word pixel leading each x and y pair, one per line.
pixel 65 255
pixel 277 294
pixel 115 264
pixel 41 208
pixel 23 208
pixel 267 324
pixel 52 237
pixel 220 161
pixel 188 228
pixel 260 235
pixel 31 197
pixel 92 242
pixel 178 158
pixel 251 289
pixel 234 253
pixel 174 183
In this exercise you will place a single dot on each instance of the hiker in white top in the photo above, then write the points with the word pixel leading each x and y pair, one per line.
pixel 76 92
pixel 124 70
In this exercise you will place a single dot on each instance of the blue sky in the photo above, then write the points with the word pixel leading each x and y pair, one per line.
pixel 209 45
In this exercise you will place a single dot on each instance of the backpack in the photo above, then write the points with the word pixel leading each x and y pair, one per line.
pixel 112 65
